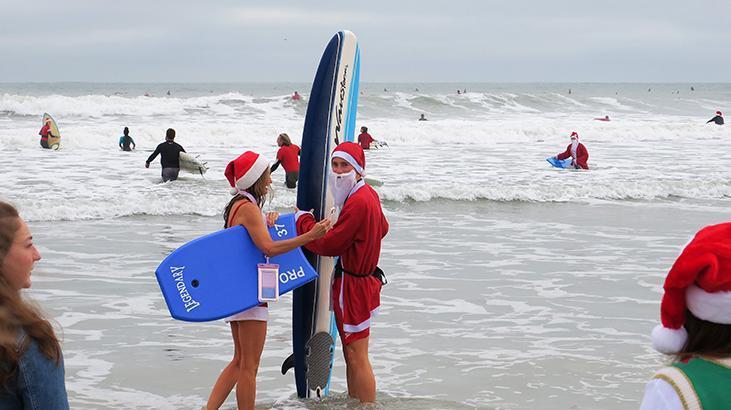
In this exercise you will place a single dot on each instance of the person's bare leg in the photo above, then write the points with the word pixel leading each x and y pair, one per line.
pixel 361 381
pixel 227 379
pixel 252 334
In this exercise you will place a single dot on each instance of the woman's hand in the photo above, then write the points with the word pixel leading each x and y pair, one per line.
pixel 320 229
pixel 271 218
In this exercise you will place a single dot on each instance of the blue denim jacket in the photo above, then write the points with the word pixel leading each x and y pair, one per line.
pixel 38 383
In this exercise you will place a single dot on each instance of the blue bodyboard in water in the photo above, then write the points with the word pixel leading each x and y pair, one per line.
pixel 216 275
pixel 558 163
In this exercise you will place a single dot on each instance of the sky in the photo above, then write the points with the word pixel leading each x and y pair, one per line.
pixel 401 41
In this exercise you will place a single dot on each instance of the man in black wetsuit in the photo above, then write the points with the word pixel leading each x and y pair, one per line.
pixel 169 157
pixel 718 119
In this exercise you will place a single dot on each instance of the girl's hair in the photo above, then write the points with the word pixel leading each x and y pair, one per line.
pixel 258 191
pixel 126 131
pixel 16 314
pixel 705 338
pixel 285 139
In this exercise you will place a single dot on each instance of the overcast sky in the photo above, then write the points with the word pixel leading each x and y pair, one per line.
pixel 401 41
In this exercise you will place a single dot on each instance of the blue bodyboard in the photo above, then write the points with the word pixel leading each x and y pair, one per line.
pixel 566 163
pixel 216 275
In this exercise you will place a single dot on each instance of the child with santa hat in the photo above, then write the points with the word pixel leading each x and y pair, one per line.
pixel 696 327
pixel 356 239
pixel 250 180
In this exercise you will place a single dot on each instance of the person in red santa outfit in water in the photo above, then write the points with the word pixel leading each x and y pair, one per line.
pixel 696 327
pixel 356 239
pixel 577 151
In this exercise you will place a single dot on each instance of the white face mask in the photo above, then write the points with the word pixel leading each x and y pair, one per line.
pixel 340 185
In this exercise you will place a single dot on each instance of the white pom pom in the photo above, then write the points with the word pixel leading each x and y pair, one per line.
pixel 669 341
pixel 234 191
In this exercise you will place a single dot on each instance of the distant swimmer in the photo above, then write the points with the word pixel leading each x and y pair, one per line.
pixel 605 118
pixel 569 91
pixel 169 93
pixel 288 157
pixel 169 152
pixel 422 118
pixel 718 119
pixel 577 152
pixel 45 133
pixel 464 91
pixel 296 96
pixel 125 140
pixel 385 90
pixel 364 139
pixel 649 90
pixel 459 92
pixel 148 95
pixel 692 88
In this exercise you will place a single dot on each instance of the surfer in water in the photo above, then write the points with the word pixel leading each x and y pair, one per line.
pixel 695 329
pixel 577 152
pixel 422 118
pixel 364 138
pixel 718 119
pixel 250 181
pixel 125 140
pixel 296 96
pixel 169 152
pixel 45 133
pixel 288 157
pixel 605 118
pixel 355 238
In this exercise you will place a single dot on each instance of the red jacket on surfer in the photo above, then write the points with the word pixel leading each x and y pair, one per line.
pixel 577 151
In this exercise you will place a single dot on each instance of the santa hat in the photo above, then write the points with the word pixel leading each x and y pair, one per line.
pixel 353 154
pixel 574 134
pixel 719 113
pixel 245 170
pixel 700 280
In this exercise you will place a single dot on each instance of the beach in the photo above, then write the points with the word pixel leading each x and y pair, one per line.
pixel 512 284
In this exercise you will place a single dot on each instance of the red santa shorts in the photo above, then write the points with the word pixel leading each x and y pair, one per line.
pixel 355 301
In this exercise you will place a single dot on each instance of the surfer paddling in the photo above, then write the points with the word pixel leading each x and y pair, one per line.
pixel 250 179
pixel 718 119
pixel 356 238
pixel 577 152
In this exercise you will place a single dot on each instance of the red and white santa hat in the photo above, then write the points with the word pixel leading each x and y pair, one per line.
pixel 574 134
pixel 700 280
pixel 353 154
pixel 719 113
pixel 245 170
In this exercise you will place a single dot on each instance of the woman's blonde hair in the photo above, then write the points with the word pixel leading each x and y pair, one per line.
pixel 17 315
pixel 284 138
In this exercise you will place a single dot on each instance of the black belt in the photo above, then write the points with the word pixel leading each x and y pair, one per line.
pixel 378 273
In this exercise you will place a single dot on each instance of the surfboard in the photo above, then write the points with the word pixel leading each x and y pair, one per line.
pixel 192 164
pixel 566 163
pixel 330 119
pixel 54 140
pixel 216 275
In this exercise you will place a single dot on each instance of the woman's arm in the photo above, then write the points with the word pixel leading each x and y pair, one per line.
pixel 249 216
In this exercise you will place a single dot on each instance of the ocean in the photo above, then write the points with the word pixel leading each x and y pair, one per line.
pixel 512 285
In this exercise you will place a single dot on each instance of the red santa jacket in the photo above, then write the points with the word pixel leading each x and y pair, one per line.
pixel 356 236
pixel 582 156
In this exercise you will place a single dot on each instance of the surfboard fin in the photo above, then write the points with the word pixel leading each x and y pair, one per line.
pixel 288 364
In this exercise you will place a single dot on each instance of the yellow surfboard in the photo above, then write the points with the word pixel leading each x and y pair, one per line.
pixel 54 140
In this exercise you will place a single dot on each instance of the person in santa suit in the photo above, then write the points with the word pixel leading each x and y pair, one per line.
pixel 356 238
pixel 696 327
pixel 576 151
pixel 718 119
pixel 250 180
